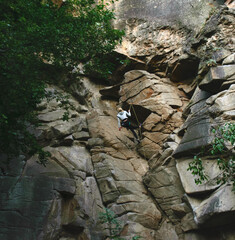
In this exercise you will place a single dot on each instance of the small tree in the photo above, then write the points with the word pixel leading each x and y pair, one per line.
pixel 37 32
pixel 197 169
pixel 222 144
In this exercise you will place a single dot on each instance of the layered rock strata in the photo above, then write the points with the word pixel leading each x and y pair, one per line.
pixel 177 94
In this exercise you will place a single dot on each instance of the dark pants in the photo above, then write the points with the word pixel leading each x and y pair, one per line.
pixel 128 125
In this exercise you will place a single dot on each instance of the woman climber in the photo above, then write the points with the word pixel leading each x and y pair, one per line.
pixel 123 121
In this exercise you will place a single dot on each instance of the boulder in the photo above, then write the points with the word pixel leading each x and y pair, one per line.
pixel 139 211
pixel 160 183
pixel 217 75
pixel 167 231
pixel 51 116
pixel 223 103
pixel 211 170
pixel 64 128
pixel 198 135
pixel 221 54
pixel 133 229
pixel 148 148
pixel 158 105
pixel 218 209
pixel 83 136
pixel 229 59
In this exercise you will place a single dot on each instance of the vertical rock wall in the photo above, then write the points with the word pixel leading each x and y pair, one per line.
pixel 176 94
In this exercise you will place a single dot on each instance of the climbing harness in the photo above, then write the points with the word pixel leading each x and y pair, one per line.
pixel 138 122
pixel 139 129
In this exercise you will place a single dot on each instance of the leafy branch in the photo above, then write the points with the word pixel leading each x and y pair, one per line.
pixel 197 169
pixel 35 34
pixel 114 225
pixel 63 102
pixel 222 144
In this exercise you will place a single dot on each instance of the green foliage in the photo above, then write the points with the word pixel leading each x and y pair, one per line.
pixel 214 49
pixel 125 62
pixel 211 63
pixel 37 33
pixel 222 144
pixel 114 225
pixel 197 169
pixel 63 102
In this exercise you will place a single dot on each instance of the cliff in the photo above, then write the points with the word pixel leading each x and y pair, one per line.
pixel 177 75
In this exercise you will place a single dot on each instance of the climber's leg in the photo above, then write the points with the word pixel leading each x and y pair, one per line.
pixel 134 133
pixel 128 126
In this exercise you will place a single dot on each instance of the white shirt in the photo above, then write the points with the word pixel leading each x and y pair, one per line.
pixel 121 116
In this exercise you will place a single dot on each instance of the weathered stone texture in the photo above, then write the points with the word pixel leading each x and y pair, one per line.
pixel 211 169
pixel 217 77
pixel 93 165
pixel 119 174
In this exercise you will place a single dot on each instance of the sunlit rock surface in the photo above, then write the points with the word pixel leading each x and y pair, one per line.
pixel 179 84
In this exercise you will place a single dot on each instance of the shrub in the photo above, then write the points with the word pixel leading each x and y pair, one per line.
pixel 37 33
pixel 222 144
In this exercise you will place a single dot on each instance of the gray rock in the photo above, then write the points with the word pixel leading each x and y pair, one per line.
pixel 217 75
pixel 65 128
pixel 83 136
pixel 171 145
pixel 181 209
pixel 163 13
pixel 92 142
pixel 220 55
pixel 67 141
pixel 31 206
pixel 167 231
pixel 211 169
pixel 198 135
pixel 51 116
pixel 223 103
pixel 164 184
pixel 188 223
pixel 220 206
pixel 52 168
pixel 229 59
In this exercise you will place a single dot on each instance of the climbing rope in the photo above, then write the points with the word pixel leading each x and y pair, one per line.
pixel 135 114
pixel 139 129
pixel 138 122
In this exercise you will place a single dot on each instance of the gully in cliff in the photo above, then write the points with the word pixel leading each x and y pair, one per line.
pixel 123 121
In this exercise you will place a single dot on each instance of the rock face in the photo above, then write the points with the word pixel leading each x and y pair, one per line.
pixel 190 14
pixel 179 85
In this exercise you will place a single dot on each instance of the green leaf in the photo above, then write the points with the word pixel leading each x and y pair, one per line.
pixel 33 33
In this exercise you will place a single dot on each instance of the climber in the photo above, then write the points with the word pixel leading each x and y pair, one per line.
pixel 123 121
